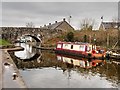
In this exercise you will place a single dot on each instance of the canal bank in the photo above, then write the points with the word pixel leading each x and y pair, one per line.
pixel 8 68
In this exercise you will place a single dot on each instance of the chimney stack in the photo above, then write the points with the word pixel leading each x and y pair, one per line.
pixel 45 25
pixel 63 19
pixel 55 21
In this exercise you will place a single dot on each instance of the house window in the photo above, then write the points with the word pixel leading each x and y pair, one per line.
pixel 71 46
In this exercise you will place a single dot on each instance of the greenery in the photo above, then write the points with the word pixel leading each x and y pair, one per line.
pixel 99 37
pixel 85 38
pixel 4 42
pixel 70 37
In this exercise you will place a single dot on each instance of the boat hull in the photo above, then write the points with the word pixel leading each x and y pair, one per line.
pixel 80 54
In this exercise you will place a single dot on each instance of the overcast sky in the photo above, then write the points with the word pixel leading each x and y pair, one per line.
pixel 40 13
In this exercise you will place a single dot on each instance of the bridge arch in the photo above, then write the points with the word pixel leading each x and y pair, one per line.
pixel 34 37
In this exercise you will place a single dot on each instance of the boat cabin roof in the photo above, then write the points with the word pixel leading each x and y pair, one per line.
pixel 74 43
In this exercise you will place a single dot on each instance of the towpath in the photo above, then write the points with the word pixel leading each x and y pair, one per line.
pixel 7 68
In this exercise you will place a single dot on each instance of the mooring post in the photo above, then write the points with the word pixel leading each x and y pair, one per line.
pixel 108 40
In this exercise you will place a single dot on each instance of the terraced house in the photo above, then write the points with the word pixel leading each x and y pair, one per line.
pixel 109 26
pixel 64 26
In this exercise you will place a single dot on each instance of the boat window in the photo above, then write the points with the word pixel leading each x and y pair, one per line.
pixel 59 46
pixel 66 45
pixel 71 46
pixel 82 48
pixel 90 48
pixel 93 47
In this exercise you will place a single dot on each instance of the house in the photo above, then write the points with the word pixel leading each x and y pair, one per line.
pixel 63 25
pixel 109 25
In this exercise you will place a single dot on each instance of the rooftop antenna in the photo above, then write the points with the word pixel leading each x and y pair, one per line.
pixel 69 19
pixel 102 19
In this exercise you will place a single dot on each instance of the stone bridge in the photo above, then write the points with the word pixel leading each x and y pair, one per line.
pixel 13 33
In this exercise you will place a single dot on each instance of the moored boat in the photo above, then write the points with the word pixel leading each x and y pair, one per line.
pixel 85 50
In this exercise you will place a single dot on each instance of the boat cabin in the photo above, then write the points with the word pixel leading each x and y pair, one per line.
pixel 80 49
pixel 77 46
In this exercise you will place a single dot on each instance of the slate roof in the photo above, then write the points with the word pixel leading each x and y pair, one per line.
pixel 56 25
pixel 109 25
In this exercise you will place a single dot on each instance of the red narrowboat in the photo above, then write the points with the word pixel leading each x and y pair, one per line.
pixel 85 50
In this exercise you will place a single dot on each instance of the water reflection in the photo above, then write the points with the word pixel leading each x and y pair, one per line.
pixel 28 53
pixel 58 71
pixel 81 62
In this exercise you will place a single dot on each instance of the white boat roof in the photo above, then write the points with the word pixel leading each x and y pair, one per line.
pixel 74 43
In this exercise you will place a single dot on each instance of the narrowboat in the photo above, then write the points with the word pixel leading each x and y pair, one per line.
pixel 85 50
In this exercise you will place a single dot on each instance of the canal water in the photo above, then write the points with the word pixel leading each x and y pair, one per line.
pixel 45 69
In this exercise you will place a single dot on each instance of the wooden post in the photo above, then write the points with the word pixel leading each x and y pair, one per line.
pixel 89 38
pixel 108 40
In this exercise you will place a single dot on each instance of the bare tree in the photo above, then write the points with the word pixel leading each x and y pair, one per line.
pixel 114 23
pixel 114 19
pixel 87 24
pixel 30 25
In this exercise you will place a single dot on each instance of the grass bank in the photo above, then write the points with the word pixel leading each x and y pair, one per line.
pixel 4 42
